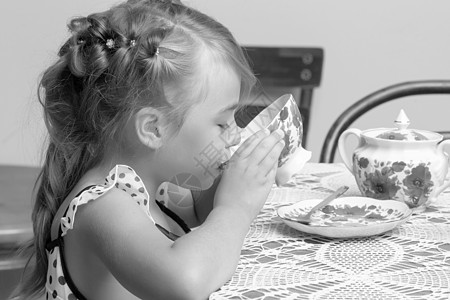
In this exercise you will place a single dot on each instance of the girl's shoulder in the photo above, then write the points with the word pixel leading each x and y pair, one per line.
pixel 121 187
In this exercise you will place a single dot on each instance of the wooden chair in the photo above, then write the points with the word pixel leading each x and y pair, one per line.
pixel 383 95
pixel 282 70
pixel 16 190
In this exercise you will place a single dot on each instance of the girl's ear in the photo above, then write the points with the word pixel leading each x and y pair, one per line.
pixel 149 124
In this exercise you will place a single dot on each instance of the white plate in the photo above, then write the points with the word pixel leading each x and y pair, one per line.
pixel 348 216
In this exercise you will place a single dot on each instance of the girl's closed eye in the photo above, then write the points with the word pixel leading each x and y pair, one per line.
pixel 224 126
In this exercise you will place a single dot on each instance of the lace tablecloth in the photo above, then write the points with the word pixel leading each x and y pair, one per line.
pixel 277 262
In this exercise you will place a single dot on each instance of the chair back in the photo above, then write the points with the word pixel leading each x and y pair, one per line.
pixel 16 205
pixel 381 96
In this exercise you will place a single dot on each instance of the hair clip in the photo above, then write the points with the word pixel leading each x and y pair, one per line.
pixel 110 43
pixel 80 41
pixel 157 51
pixel 132 43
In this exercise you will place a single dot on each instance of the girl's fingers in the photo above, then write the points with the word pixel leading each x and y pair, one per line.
pixel 266 147
pixel 272 172
pixel 250 144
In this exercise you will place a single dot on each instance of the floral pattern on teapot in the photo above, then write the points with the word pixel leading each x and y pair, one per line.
pixel 394 180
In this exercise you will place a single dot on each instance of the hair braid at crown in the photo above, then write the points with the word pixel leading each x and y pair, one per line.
pixel 96 47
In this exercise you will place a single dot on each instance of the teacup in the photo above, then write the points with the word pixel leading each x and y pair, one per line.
pixel 282 114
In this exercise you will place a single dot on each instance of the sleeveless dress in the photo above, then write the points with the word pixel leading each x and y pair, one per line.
pixel 59 284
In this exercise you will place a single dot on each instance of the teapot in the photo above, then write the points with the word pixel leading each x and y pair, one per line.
pixel 401 164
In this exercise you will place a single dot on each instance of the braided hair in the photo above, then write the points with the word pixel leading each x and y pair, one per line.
pixel 115 63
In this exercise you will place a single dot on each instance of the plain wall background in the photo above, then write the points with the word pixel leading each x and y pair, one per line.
pixel 368 45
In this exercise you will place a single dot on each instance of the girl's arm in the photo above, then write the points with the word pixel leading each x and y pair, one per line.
pixel 146 262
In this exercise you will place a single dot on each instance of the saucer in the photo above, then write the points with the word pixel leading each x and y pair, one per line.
pixel 347 217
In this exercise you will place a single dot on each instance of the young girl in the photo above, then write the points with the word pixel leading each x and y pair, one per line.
pixel 142 94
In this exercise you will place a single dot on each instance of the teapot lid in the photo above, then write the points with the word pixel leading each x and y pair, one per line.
pixel 402 133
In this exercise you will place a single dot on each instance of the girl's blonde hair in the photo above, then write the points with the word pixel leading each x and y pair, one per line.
pixel 115 63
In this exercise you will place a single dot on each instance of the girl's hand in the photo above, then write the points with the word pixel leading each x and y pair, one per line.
pixel 250 173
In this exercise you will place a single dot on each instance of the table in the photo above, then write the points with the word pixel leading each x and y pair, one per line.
pixel 411 261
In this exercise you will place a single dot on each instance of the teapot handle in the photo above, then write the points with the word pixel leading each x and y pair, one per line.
pixel 446 183
pixel 342 148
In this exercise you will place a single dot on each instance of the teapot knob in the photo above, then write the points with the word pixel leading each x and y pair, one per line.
pixel 402 121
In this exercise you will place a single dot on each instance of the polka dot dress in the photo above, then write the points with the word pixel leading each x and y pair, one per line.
pixel 58 285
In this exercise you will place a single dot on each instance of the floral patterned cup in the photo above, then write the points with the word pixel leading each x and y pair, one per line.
pixel 284 114
pixel 398 164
